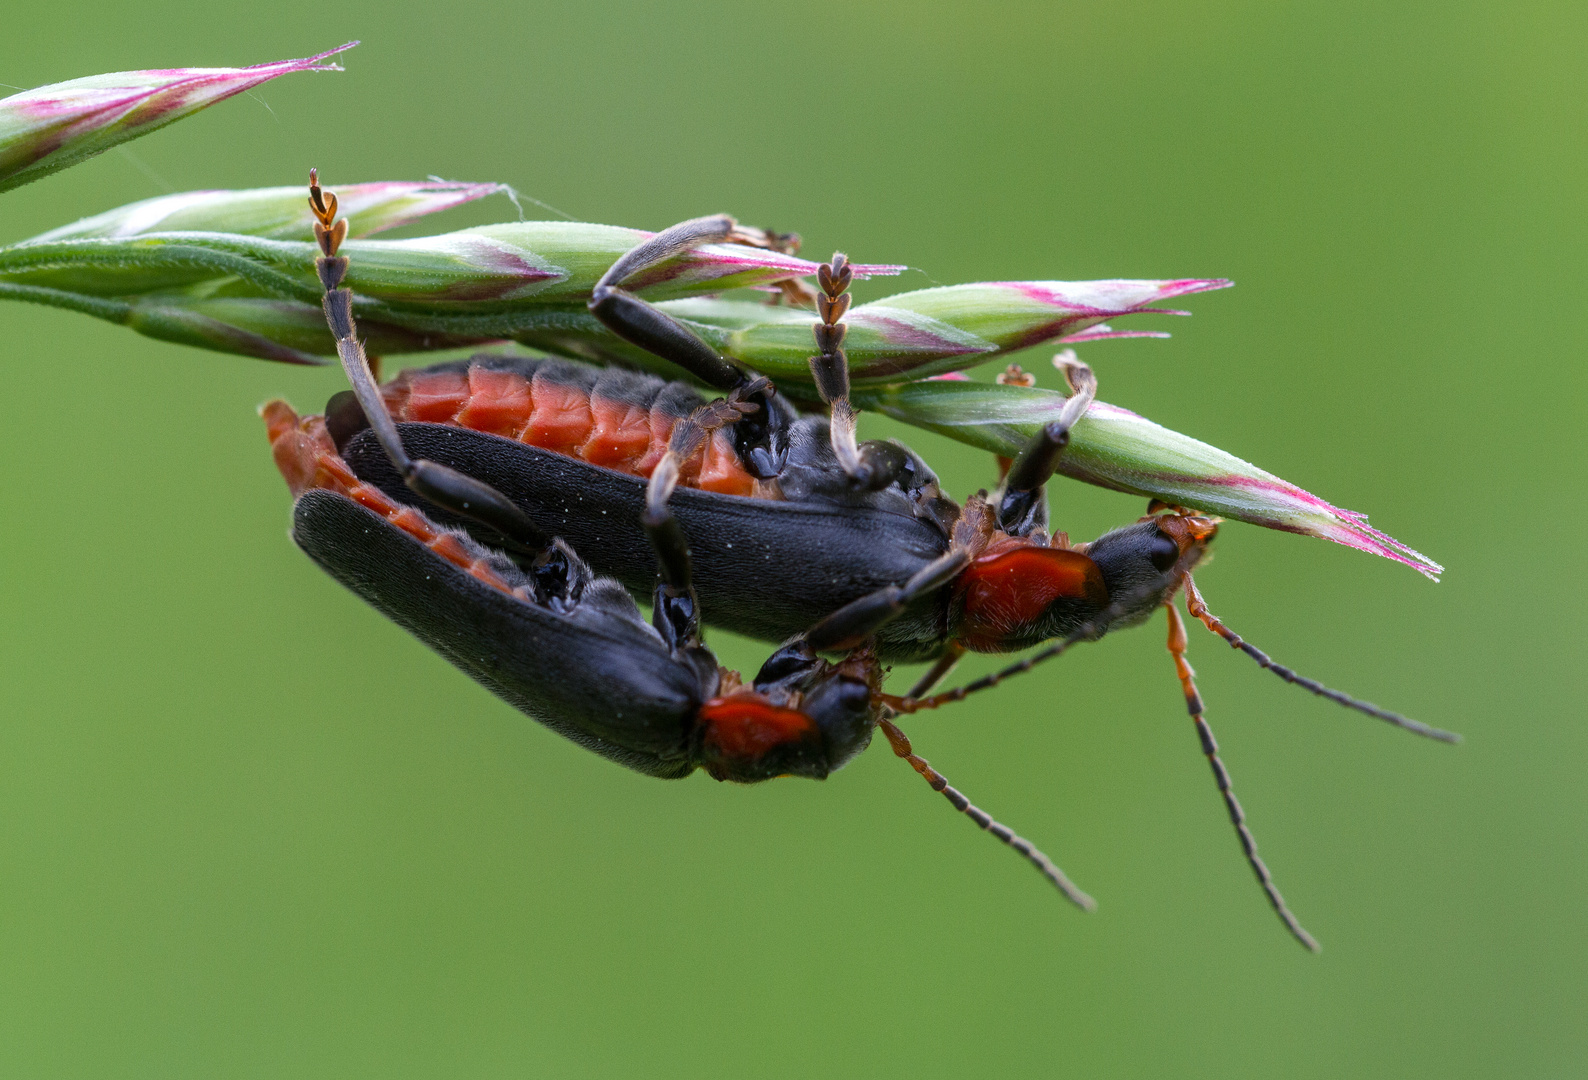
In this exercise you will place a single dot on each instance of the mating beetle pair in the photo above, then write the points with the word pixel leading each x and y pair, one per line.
pixel 757 518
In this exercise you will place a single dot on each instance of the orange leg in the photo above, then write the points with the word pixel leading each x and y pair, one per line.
pixel 1221 775
pixel 1044 865
pixel 939 671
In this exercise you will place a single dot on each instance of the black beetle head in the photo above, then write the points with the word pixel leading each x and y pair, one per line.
pixel 1138 562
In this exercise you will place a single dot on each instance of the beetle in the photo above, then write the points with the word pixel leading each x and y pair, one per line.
pixel 746 470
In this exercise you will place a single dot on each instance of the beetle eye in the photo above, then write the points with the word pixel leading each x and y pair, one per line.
pixel 1163 552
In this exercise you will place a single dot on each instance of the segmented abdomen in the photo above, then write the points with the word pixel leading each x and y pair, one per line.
pixel 618 419
pixel 308 460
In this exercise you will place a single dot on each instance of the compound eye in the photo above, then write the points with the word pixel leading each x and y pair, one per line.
pixel 1163 552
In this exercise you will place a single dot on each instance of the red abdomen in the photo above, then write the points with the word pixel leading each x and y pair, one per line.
pixel 617 419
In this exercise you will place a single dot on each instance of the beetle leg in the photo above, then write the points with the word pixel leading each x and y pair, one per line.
pixel 830 367
pixel 640 323
pixel 653 330
pixel 938 671
pixel 1045 866
pixel 676 610
pixel 855 621
pixel 448 488
pixel 1221 776
pixel 1022 508
pixel 873 465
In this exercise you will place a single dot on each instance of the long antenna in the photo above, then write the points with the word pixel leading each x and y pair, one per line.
pixel 1221 777
pixel 1045 866
pixel 1199 611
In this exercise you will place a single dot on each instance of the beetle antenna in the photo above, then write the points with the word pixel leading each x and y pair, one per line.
pixel 1221 777
pixel 1199 611
pixel 1045 866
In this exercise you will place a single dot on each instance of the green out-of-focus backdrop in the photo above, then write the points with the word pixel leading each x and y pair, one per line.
pixel 250 829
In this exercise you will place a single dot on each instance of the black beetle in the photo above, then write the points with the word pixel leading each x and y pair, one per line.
pixel 572 650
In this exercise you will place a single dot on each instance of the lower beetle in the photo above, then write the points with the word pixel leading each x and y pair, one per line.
pixel 572 650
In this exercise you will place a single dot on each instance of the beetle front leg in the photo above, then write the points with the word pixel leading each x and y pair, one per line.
pixel 858 620
pixel 1022 507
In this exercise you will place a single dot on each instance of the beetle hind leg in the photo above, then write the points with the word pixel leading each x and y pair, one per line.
pixel 448 488
pixel 638 322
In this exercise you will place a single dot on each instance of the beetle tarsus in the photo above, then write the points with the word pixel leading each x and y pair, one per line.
pixel 830 365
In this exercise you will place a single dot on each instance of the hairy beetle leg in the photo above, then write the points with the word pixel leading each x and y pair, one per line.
pixel 463 495
pixel 1022 508
pixel 640 323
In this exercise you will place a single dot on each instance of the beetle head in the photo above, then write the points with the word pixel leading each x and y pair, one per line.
pixel 1137 562
pixel 804 717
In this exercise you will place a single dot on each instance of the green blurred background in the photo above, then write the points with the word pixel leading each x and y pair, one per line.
pixel 247 828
